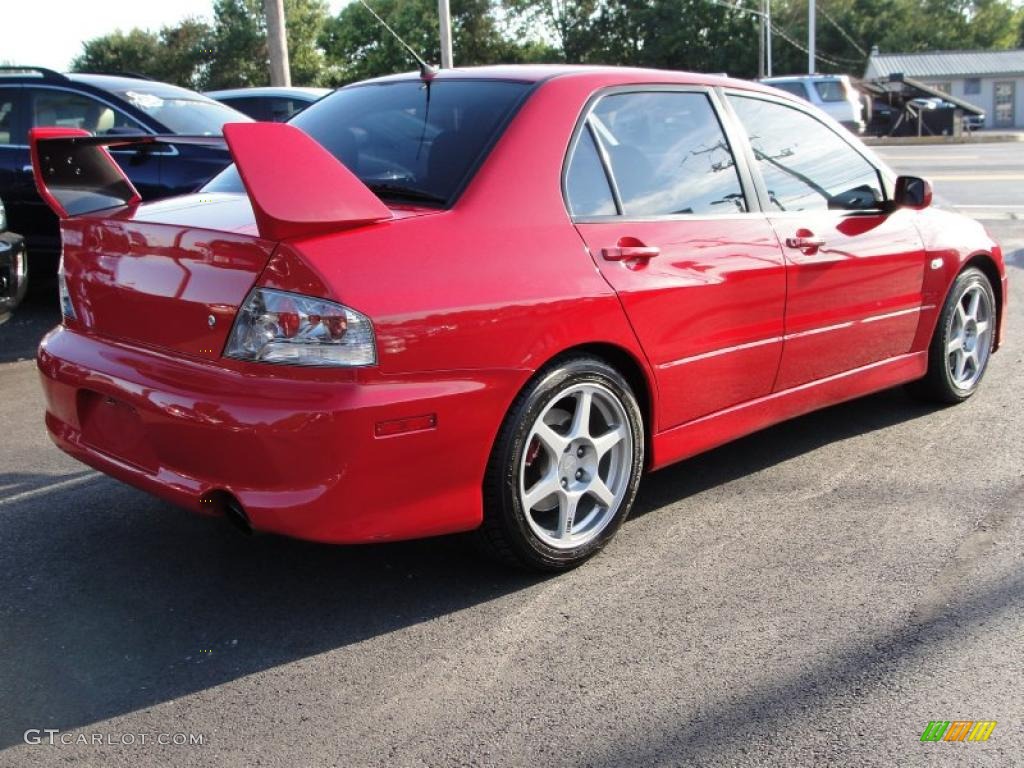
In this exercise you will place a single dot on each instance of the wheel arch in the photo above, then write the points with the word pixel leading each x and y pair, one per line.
pixel 632 369
pixel 984 262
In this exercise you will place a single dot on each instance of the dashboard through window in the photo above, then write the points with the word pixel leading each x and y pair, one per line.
pixel 668 154
pixel 805 165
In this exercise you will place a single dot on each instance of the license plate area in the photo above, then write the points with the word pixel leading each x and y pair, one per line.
pixel 114 427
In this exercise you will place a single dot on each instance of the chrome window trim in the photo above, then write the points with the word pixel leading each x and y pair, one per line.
pixel 729 133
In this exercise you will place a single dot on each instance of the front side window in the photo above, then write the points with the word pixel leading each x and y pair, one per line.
pixel 805 165
pixel 407 140
pixel 668 154
pixel 8 103
pixel 67 109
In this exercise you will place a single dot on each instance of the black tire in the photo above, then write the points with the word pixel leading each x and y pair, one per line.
pixel 506 533
pixel 939 384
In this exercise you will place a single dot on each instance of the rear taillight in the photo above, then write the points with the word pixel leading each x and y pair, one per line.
pixel 67 309
pixel 279 327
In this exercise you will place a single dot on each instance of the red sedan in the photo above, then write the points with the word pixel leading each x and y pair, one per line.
pixel 493 298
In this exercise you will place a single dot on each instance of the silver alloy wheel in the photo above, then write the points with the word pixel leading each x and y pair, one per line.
pixel 576 466
pixel 969 337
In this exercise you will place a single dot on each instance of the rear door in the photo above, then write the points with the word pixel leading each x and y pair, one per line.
pixel 657 194
pixel 855 267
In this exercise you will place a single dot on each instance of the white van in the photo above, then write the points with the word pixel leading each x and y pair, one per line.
pixel 831 93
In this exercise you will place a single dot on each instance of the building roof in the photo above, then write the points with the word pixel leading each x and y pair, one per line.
pixel 946 63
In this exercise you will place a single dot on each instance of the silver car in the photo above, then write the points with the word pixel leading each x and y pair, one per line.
pixel 833 94
pixel 13 275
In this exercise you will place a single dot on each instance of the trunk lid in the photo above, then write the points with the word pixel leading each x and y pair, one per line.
pixel 160 275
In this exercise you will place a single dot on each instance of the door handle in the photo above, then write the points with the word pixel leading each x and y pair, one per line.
pixel 805 240
pixel 26 169
pixel 630 253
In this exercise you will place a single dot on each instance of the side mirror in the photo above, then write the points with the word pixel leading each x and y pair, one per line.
pixel 912 192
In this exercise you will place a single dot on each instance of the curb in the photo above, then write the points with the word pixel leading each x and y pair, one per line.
pixel 979 138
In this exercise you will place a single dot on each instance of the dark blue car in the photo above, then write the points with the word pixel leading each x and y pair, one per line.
pixel 103 105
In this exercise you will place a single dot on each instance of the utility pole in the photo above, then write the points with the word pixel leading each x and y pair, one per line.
pixel 767 7
pixel 761 29
pixel 811 58
pixel 277 43
pixel 445 18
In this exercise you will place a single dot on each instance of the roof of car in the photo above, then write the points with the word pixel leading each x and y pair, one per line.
pixel 800 78
pixel 283 91
pixel 535 73
pixel 127 83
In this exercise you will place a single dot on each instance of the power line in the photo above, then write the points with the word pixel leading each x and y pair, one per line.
pixel 836 61
pixel 842 31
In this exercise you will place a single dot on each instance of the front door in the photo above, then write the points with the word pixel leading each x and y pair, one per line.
pixel 855 268
pixel 655 192
pixel 1003 98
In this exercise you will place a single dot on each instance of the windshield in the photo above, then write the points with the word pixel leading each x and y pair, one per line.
pixel 407 140
pixel 196 116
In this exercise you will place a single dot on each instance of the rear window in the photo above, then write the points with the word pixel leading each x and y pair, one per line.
pixel 407 140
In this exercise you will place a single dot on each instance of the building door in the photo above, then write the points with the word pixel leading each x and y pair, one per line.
pixel 1003 112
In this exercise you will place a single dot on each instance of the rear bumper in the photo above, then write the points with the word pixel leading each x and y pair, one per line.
pixel 13 272
pixel 300 455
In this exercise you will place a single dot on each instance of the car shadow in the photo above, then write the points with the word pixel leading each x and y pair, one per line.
pixel 777 444
pixel 115 601
pixel 735 721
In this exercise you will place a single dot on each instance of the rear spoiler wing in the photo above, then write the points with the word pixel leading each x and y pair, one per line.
pixel 295 186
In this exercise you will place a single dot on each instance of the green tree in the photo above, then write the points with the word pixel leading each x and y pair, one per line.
pixel 356 46
pixel 134 51
pixel 240 43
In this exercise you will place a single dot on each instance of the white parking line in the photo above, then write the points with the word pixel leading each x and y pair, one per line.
pixel 71 482
pixel 994 207
pixel 928 158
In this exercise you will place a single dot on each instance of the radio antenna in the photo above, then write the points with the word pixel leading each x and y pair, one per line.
pixel 426 71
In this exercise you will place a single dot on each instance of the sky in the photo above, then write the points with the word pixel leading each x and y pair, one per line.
pixel 50 33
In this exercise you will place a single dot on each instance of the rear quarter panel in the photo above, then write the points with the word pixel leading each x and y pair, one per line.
pixel 488 291
pixel 500 281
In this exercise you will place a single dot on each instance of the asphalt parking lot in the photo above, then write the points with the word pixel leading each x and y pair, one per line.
pixel 814 594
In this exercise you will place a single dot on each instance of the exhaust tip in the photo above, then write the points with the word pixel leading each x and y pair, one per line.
pixel 235 514
pixel 223 504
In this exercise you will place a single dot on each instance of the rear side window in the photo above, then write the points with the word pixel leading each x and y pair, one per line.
pixel 830 90
pixel 249 105
pixel 586 184
pixel 805 165
pixel 668 154
pixel 797 89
